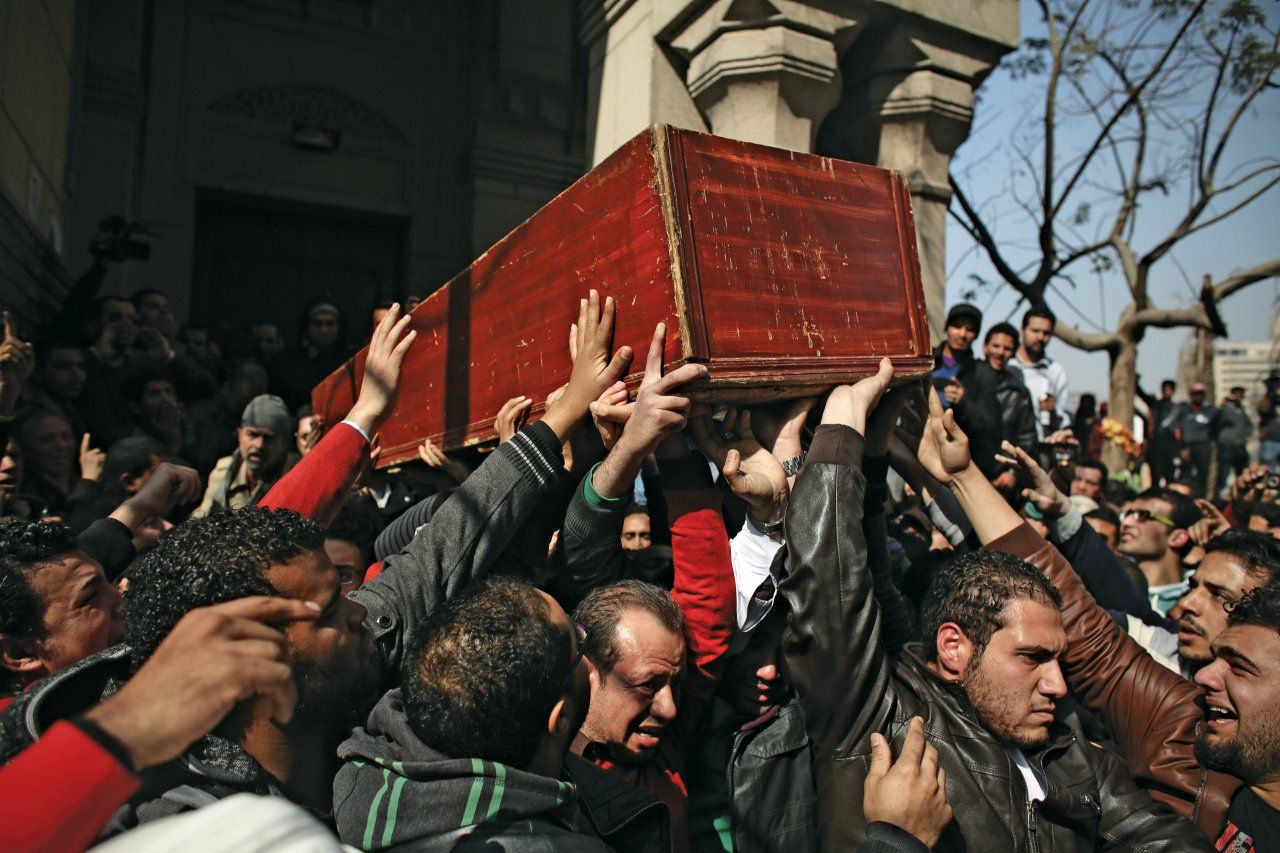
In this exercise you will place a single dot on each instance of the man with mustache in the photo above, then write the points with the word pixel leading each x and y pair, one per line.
pixel 262 457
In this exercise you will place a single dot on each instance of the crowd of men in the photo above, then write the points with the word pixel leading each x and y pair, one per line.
pixel 901 616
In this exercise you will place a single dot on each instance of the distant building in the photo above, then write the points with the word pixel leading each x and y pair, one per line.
pixel 1244 364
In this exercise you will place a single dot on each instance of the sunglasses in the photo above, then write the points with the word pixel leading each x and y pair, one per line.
pixel 1143 515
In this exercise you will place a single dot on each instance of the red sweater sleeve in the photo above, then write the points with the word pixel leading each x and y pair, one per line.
pixel 58 793
pixel 703 573
pixel 316 487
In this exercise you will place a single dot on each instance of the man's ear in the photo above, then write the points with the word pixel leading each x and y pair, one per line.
pixel 558 721
pixel 21 658
pixel 1178 539
pixel 954 651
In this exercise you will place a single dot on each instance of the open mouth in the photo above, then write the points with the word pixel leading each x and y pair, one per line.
pixel 1219 717
pixel 648 738
pixel 1188 630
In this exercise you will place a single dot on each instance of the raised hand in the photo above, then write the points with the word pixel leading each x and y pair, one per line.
pixel 92 461
pixel 213 659
pixel 169 486
pixel 382 371
pixel 511 417
pixel 154 346
pixel 594 370
pixel 611 412
pixel 850 404
pixel 656 414
pixel 1043 494
pixel 17 361
pixel 944 448
pixel 751 471
pixel 657 411
pixel 910 793
pixel 1210 526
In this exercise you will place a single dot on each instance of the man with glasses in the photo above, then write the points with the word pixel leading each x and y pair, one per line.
pixel 1153 535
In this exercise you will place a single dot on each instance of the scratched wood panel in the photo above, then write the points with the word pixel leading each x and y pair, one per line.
pixel 802 264
pixel 786 272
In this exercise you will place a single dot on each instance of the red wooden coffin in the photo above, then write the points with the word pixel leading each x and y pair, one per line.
pixel 786 273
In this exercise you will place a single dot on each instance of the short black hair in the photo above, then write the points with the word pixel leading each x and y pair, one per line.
pixel 357 522
pixel 139 295
pixel 1002 329
pixel 600 612
pixel 1235 388
pixel 1260 607
pixel 1168 383
pixel 1270 513
pixel 1257 552
pixel 635 509
pixel 46 346
pixel 207 561
pixel 134 383
pixel 1106 514
pixel 1042 313
pixel 1095 464
pixel 25 548
pixel 132 456
pixel 972 591
pixel 489 668
pixel 1185 512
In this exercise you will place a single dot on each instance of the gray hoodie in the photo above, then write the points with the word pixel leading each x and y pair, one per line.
pixel 394 792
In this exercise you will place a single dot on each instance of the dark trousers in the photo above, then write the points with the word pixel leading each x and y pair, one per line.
pixel 1201 453
pixel 1231 458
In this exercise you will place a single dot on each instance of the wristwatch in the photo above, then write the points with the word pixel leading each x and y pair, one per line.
pixel 772 529
pixel 792 466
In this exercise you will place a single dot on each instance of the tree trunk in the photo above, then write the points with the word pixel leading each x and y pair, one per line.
pixel 1124 384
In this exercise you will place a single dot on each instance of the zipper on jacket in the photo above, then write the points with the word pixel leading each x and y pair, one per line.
pixel 1033 840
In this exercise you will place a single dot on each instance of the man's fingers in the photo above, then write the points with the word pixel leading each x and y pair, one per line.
pixel 732 464
pixel 935 404
pixel 653 361
pixel 929 759
pixel 680 376
pixel 573 342
pixel 84 444
pixel 612 414
pixel 604 332
pixel 881 755
pixel 269 609
pixel 10 333
pixel 618 366
pixel 592 320
pixel 913 746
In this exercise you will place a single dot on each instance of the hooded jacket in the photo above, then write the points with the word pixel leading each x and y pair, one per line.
pixel 393 792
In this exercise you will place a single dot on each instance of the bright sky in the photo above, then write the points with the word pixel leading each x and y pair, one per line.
pixel 1248 238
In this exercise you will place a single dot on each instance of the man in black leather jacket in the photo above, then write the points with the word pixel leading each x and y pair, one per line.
pixel 1017 412
pixel 985 680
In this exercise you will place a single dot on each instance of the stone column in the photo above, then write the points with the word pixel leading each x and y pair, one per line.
pixel 765 71
pixel 909 104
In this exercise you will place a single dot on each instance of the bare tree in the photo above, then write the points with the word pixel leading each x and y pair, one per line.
pixel 1142 100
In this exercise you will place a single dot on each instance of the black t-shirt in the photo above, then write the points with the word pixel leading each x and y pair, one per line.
pixel 1252 826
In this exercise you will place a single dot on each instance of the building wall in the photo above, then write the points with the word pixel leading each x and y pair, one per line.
pixel 37 86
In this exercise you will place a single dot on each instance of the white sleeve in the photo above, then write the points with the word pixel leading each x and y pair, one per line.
pixel 752 553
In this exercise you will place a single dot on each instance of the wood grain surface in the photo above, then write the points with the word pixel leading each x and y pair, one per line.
pixel 787 273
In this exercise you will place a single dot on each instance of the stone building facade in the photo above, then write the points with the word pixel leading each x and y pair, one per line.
pixel 282 151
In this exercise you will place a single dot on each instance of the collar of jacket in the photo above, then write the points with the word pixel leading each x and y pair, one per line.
pixel 926 684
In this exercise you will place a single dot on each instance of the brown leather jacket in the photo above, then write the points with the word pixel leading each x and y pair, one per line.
pixel 1153 713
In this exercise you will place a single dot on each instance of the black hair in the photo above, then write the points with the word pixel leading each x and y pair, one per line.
pixel 46 346
pixel 1095 464
pixel 206 561
pixel 1003 329
pixel 1185 512
pixel 1257 552
pixel 1104 513
pixel 25 548
pixel 972 591
pixel 490 667
pixel 635 509
pixel 1270 513
pixel 139 295
pixel 1117 492
pixel 131 456
pixel 359 523
pixel 134 383
pixel 1168 382
pixel 600 612
pixel 1260 607
pixel 1042 313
